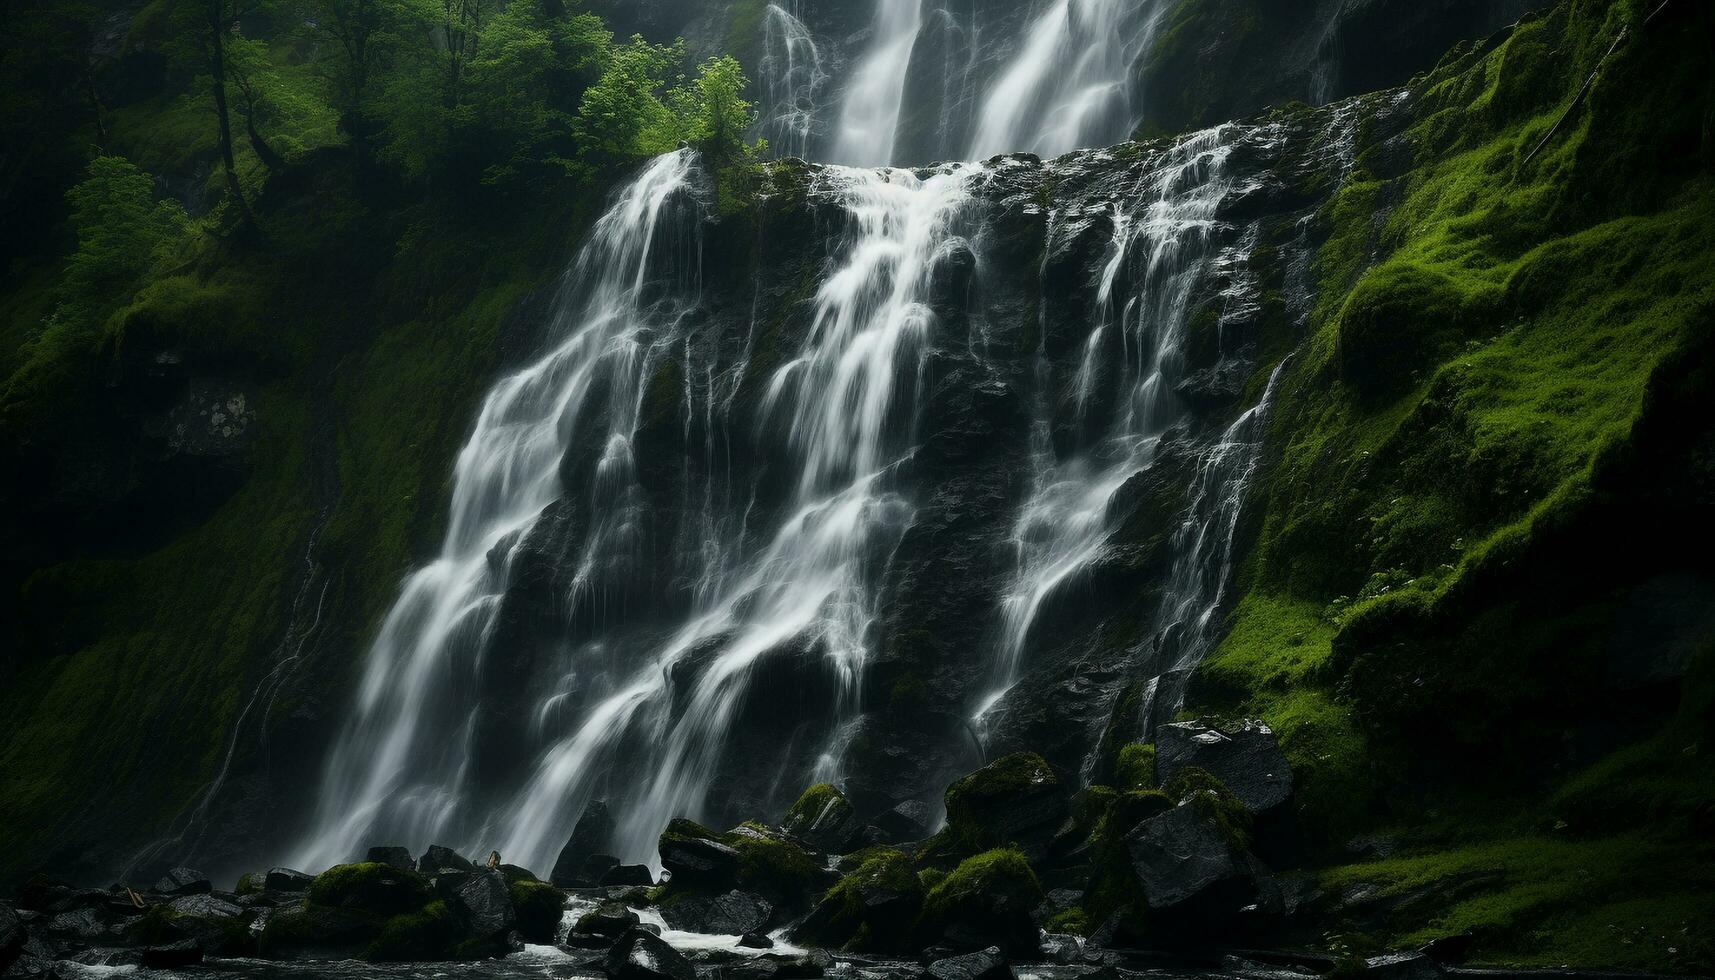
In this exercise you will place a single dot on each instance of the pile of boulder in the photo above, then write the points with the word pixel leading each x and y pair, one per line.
pixel 1168 856
pixel 388 907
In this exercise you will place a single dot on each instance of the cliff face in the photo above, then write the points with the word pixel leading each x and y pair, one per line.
pixel 1445 402
pixel 1177 65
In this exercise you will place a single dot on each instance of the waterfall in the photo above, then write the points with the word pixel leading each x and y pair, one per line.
pixel 840 409
pixel 842 401
pixel 792 79
pixel 1187 626
pixel 869 114
pixel 793 456
pixel 397 771
pixel 1160 249
pixel 1068 86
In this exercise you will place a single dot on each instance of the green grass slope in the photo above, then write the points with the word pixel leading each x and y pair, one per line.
pixel 1493 448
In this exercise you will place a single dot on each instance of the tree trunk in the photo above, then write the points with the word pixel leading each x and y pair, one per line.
pixel 217 72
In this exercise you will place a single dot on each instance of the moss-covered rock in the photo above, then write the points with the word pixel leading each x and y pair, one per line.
pixel 822 817
pixel 873 908
pixel 539 908
pixel 986 901
pixel 369 887
pixel 697 856
pixel 775 865
pixel 1197 788
pixel 1113 889
pixel 310 930
pixel 426 934
pixel 1016 800
pixel 1135 767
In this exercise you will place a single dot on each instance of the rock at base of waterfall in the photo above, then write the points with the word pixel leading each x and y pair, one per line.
pixel 823 818
pixel 590 874
pixel 732 914
pixel 590 838
pixel 172 956
pixel 986 964
pixel 1185 861
pixel 375 888
pixel 755 940
pixel 1401 966
pixel 12 936
pixel 639 955
pixel 184 881
pixel 1449 950
pixel 398 857
pixel 303 930
pixel 438 858
pixel 909 821
pixel 1245 756
pixel 988 901
pixel 1016 799
pixel 691 852
pixel 539 908
pixel 209 919
pixel 481 900
pixel 628 875
pixel 611 919
pixel 287 880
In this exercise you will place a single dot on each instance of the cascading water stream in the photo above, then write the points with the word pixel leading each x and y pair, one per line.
pixel 1163 246
pixel 842 407
pixel 1068 86
pixel 869 115
pixel 398 770
pixel 842 400
pixel 793 77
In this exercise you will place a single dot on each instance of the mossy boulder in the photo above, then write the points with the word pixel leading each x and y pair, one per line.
pixel 1136 767
pixel 1211 798
pixel 1016 800
pixel 1184 857
pixel 1400 316
pixel 307 930
pixel 218 926
pixel 874 908
pixel 539 908
pixel 697 857
pixel 423 935
pixel 776 866
pixel 372 887
pixel 823 818
pixel 1113 890
pixel 610 918
pixel 986 901
pixel 1244 756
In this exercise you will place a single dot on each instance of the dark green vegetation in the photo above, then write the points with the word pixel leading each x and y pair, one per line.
pixel 1482 550
pixel 244 314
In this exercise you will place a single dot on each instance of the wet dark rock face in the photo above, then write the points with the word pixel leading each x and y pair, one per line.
pixel 1013 307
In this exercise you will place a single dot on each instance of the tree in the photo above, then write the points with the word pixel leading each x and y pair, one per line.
pixel 724 115
pixel 209 23
pixel 356 27
pixel 622 116
pixel 248 64
pixel 461 29
pixel 122 232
